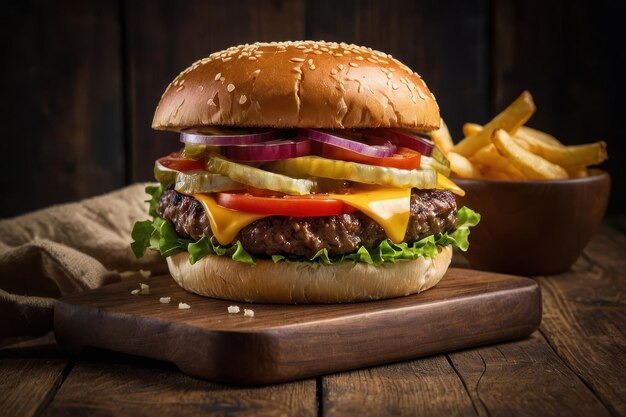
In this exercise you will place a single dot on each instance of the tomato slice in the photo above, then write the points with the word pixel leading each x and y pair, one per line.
pixel 404 158
pixel 177 162
pixel 311 205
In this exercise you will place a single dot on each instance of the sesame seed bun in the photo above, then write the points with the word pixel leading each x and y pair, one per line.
pixel 302 282
pixel 297 84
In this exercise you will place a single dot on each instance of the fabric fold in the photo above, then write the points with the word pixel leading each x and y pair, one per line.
pixel 65 249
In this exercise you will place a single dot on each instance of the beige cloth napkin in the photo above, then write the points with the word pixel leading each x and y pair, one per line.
pixel 64 249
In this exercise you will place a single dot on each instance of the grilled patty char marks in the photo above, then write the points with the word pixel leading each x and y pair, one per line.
pixel 432 212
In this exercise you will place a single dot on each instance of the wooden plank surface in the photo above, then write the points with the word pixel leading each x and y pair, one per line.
pixel 29 378
pixel 524 378
pixel 425 387
pixel 588 306
pixel 178 34
pixel 286 342
pixel 445 42
pixel 62 102
pixel 108 384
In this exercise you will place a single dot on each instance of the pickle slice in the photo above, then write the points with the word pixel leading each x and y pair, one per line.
pixel 432 163
pixel 204 182
pixel 257 177
pixel 352 171
pixel 165 176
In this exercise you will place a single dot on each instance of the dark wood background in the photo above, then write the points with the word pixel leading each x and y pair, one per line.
pixel 82 77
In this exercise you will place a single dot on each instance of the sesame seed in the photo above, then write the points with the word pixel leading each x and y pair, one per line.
pixel 414 99
pixel 256 73
pixel 210 102
pixel 341 67
pixel 252 58
pixel 243 99
pixel 301 47
pixel 200 87
pixel 334 71
pixel 318 52
pixel 394 86
pixel 390 75
pixel 310 61
pixel 359 58
pixel 312 67
pixel 227 59
pixel 338 54
pixel 297 59
pixel 297 70
pixel 308 51
pixel 230 88
pixel 385 70
pixel 354 64
pixel 180 88
pixel 370 59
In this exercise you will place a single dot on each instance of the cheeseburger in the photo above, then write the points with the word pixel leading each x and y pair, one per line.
pixel 305 176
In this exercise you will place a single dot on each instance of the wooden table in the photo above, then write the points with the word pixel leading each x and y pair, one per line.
pixel 575 365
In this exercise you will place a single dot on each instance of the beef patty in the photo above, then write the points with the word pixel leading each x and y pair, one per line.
pixel 432 212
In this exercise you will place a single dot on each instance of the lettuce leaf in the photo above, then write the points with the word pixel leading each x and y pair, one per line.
pixel 159 234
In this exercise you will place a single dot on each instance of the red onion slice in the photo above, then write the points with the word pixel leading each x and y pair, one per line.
pixel 202 139
pixel 403 139
pixel 268 151
pixel 383 150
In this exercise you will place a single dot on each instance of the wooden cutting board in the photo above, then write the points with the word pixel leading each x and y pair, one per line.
pixel 286 342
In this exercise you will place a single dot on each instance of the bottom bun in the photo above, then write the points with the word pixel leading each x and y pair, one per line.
pixel 302 282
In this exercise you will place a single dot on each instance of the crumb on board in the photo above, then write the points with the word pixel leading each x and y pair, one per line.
pixel 248 313
pixel 145 273
pixel 165 300
pixel 134 292
pixel 233 309
pixel 144 289
pixel 183 306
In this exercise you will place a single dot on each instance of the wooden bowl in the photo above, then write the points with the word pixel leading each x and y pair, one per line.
pixel 533 227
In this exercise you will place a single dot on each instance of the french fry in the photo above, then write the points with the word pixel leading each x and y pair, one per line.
pixel 470 129
pixel 494 174
pixel 577 172
pixel 442 138
pixel 462 166
pixel 489 157
pixel 532 166
pixel 574 156
pixel 473 128
pixel 510 120
pixel 526 132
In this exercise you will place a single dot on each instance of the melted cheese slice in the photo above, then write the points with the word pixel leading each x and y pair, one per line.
pixel 444 183
pixel 389 207
pixel 225 223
